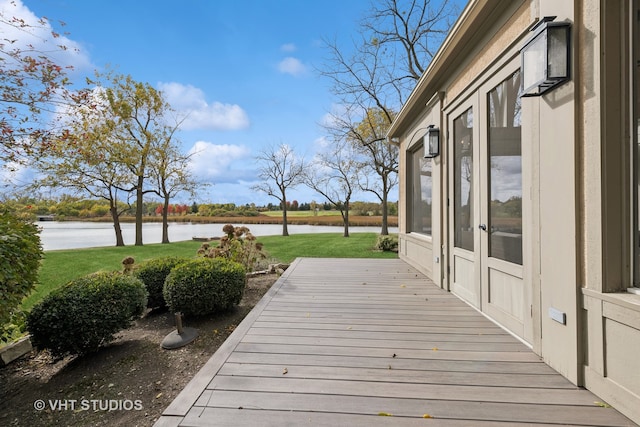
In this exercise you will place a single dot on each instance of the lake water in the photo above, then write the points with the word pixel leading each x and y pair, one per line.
pixel 78 234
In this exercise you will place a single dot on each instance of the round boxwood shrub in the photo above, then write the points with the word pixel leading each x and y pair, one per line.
pixel 204 286
pixel 86 313
pixel 153 273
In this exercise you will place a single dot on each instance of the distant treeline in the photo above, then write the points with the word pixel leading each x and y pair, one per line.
pixel 67 207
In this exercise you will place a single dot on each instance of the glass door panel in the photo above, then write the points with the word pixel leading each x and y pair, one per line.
pixel 505 170
pixel 463 180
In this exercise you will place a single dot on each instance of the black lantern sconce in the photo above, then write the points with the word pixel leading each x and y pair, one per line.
pixel 546 57
pixel 431 142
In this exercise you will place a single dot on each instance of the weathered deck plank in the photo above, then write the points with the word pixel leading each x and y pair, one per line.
pixel 342 342
pixel 395 375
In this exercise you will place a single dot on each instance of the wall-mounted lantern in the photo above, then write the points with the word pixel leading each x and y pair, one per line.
pixel 546 57
pixel 431 142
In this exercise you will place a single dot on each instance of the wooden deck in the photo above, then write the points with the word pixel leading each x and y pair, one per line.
pixel 343 342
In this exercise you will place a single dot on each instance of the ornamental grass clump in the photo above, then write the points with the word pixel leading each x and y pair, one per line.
pixel 237 244
pixel 153 273
pixel 86 313
pixel 387 243
pixel 204 286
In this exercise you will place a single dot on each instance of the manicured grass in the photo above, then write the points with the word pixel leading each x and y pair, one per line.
pixel 59 267
pixel 323 245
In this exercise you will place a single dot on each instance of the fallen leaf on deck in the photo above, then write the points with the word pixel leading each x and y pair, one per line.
pixel 602 404
pixel 285 371
pixel 403 286
pixel 435 349
pixel 427 416
pixel 385 414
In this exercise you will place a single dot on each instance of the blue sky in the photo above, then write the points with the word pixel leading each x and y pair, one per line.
pixel 246 71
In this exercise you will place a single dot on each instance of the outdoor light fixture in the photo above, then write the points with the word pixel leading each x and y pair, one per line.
pixel 431 142
pixel 546 57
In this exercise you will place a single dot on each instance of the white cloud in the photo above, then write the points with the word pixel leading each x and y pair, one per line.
pixel 13 174
pixel 34 35
pixel 321 143
pixel 189 101
pixel 213 162
pixel 288 47
pixel 293 66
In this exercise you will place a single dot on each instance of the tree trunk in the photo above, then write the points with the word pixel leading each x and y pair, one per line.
pixel 285 229
pixel 116 225
pixel 345 218
pixel 139 208
pixel 165 221
pixel 385 215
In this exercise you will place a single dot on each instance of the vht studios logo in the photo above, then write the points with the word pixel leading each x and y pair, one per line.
pixel 88 405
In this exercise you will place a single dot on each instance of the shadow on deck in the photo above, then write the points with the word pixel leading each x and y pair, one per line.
pixel 355 342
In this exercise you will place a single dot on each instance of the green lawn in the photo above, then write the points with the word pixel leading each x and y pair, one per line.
pixel 59 267
pixel 323 245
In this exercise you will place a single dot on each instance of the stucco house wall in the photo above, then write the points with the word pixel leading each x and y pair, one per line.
pixel 568 299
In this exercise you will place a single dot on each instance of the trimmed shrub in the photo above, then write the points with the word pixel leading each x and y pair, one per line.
pixel 20 255
pixel 204 286
pixel 153 273
pixel 86 313
pixel 387 243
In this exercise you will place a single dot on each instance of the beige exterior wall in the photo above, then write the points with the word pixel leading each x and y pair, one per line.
pixel 611 318
pixel 420 250
pixel 577 212
pixel 491 50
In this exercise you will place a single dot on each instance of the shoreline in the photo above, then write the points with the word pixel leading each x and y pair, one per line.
pixel 332 220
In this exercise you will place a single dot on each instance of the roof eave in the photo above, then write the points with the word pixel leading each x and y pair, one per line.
pixel 474 18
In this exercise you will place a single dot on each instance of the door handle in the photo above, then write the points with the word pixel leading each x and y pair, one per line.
pixel 483 227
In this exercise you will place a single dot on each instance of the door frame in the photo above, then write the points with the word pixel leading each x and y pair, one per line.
pixel 463 283
pixel 508 270
pixel 478 294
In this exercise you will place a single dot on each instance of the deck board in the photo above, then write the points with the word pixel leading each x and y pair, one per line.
pixel 342 342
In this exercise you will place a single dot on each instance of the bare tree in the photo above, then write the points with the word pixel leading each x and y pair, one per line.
pixel 397 40
pixel 280 171
pixel 334 175
pixel 379 169
pixel 170 171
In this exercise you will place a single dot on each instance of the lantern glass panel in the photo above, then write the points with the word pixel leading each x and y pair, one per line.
pixel 558 39
pixel 434 142
pixel 533 62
